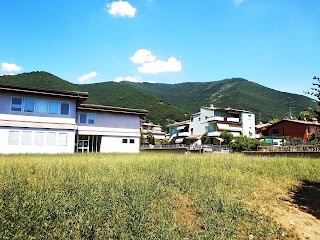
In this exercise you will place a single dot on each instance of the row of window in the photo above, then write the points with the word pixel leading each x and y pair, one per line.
pixel 35 138
pixel 86 118
pixel 19 104
pixel 126 140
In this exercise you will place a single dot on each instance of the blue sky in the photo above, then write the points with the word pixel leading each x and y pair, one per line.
pixel 275 43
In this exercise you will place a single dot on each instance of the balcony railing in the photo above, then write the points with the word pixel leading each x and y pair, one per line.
pixel 215 118
pixel 232 119
pixel 224 119
pixel 183 134
pixel 214 134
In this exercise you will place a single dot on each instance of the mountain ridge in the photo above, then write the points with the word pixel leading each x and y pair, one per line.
pixel 167 103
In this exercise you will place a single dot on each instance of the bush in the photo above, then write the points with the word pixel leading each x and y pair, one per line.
pixel 240 144
pixel 227 137
pixel 294 141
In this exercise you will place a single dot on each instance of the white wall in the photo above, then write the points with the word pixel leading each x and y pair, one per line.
pixel 195 125
pixel 32 148
pixel 248 124
pixel 115 144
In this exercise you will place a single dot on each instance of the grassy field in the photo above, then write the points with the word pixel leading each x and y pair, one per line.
pixel 145 196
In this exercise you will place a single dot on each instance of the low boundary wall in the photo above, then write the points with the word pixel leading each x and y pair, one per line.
pixel 284 154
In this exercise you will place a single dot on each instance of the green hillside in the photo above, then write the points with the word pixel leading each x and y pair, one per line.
pixel 126 94
pixel 38 79
pixel 175 102
pixel 235 93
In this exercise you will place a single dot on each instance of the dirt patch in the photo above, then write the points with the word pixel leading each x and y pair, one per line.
pixel 307 198
pixel 300 210
pixel 297 210
pixel 185 213
pixel 304 224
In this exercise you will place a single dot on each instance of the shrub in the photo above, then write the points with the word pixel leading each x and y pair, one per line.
pixel 227 137
pixel 240 144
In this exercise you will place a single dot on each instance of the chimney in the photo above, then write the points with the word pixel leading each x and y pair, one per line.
pixel 315 120
pixel 211 106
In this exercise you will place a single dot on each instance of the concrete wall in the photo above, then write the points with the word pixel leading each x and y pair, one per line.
pixel 32 146
pixel 115 144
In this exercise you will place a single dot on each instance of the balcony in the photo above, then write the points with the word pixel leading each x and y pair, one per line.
pixel 215 118
pixel 214 134
pixel 232 119
pixel 223 119
pixel 183 134
pixel 236 129
pixel 236 134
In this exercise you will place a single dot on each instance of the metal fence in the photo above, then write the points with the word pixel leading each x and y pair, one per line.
pixel 165 146
pixel 200 148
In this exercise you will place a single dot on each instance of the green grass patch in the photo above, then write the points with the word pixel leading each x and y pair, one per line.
pixel 144 196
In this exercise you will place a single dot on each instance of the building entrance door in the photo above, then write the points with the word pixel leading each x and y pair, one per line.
pixel 87 143
pixel 83 145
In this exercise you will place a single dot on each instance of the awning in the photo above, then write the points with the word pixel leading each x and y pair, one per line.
pixel 222 126
pixel 179 140
pixel 181 127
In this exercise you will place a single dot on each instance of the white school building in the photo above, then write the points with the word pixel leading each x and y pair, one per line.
pixel 34 120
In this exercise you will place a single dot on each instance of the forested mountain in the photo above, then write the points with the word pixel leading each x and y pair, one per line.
pixel 175 102
pixel 235 93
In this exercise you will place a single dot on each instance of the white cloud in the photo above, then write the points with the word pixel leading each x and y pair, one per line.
pixel 171 65
pixel 10 67
pixel 131 79
pixel 121 9
pixel 142 56
pixel 87 77
pixel 237 2
pixel 128 79
pixel 150 64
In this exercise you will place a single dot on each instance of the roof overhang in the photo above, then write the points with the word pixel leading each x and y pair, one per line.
pixel 100 108
pixel 79 97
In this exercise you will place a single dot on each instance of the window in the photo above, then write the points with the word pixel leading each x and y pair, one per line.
pixel 82 118
pixel 41 106
pixel 13 138
pixel 53 107
pixel 191 119
pixel 64 108
pixel 62 139
pixel 87 118
pixel 39 138
pixel 28 105
pixel 26 138
pixel 131 140
pixel 16 104
pixel 91 118
pixel 124 140
pixel 51 138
